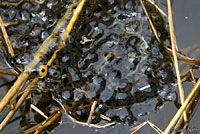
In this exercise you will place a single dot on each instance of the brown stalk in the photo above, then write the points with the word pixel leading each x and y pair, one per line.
pixel 20 101
pixel 150 22
pixel 173 42
pixel 6 38
pixel 15 88
pixel 190 107
pixel 91 112
pixel 8 73
pixel 160 10
pixel 48 122
pixel 179 113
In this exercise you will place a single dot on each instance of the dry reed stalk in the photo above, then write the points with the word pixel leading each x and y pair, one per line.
pixel 105 117
pixel 91 112
pixel 192 74
pixel 189 107
pixel 22 78
pixel 6 38
pixel 43 50
pixel 39 111
pixel 173 42
pixel 34 128
pixel 194 91
pixel 10 23
pixel 150 22
pixel 136 128
pixel 157 7
pixel 50 121
pixel 8 73
pixel 20 101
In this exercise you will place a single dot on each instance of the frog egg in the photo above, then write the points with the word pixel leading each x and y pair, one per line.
pixel 66 95
pixel 26 5
pixel 171 97
pixel 106 95
pixel 121 96
pixel 25 16
pixel 133 27
pixel 129 5
pixel 36 31
pixel 44 35
pixel 53 72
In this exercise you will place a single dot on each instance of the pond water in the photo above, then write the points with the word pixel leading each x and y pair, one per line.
pixel 111 57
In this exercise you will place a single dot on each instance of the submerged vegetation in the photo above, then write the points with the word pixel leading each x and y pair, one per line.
pixel 93 60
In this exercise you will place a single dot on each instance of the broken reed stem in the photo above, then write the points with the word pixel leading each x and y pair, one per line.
pixel 39 111
pixel 173 42
pixel 182 108
pixel 6 38
pixel 22 78
pixel 19 102
pixel 160 10
pixel 50 121
pixel 193 102
pixel 91 112
pixel 43 50
pixel 150 22
pixel 8 73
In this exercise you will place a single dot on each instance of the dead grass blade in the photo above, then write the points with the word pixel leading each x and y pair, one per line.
pixel 150 22
pixel 6 38
pixel 173 42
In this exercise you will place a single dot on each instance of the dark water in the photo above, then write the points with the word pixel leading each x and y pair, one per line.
pixel 123 57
